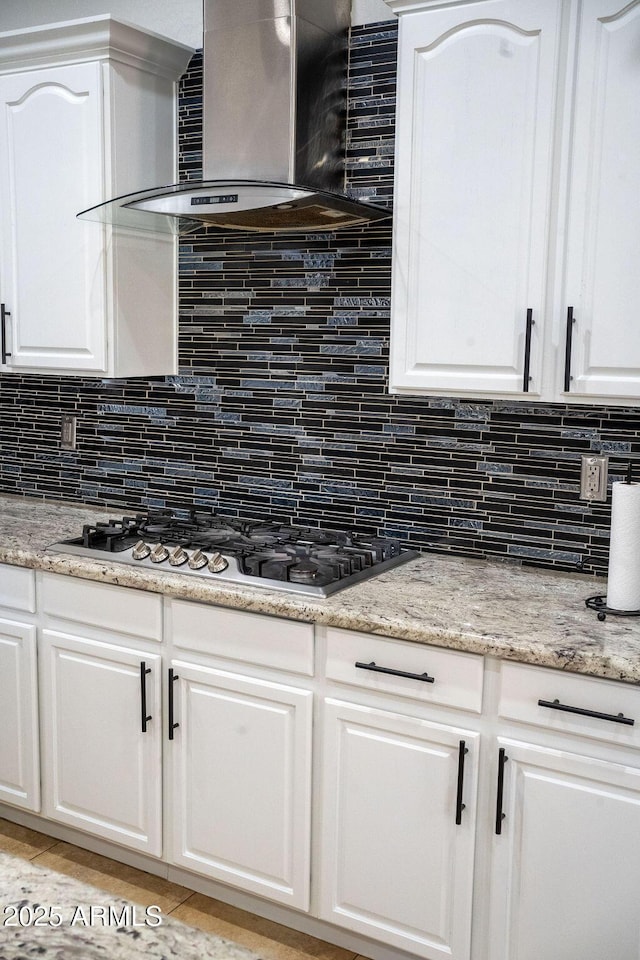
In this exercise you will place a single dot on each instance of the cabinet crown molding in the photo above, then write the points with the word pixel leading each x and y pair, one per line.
pixel 411 6
pixel 92 38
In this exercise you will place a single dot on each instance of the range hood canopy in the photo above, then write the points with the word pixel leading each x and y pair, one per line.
pixel 235 205
pixel 274 119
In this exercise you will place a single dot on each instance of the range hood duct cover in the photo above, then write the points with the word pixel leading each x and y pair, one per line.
pixel 273 130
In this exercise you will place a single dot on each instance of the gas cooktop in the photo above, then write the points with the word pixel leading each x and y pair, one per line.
pixel 298 559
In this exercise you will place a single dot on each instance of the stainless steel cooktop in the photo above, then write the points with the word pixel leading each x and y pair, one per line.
pixel 297 559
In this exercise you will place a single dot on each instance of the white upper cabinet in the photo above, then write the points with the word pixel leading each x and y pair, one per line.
pixel 603 225
pixel 474 164
pixel 517 172
pixel 87 113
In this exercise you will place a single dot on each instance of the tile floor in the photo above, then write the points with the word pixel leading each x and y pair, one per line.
pixel 269 940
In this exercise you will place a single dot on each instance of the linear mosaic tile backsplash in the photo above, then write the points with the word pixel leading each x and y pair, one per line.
pixel 281 407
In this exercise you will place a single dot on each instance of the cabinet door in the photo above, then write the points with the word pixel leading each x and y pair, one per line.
pixel 19 753
pixel 603 236
pixel 394 864
pixel 241 761
pixel 102 772
pixel 476 108
pixel 51 265
pixel 566 878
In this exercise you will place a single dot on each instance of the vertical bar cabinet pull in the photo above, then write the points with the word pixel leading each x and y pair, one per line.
pixel 527 351
pixel 172 726
pixel 4 313
pixel 462 752
pixel 502 759
pixel 144 670
pixel 567 353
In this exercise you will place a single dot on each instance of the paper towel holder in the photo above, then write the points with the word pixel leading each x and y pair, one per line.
pixel 599 604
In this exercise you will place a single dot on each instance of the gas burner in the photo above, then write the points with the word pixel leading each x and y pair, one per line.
pixel 294 558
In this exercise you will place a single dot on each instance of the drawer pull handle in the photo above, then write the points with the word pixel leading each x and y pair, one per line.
pixel 612 717
pixel 395 673
pixel 462 751
pixel 502 759
pixel 144 670
pixel 172 726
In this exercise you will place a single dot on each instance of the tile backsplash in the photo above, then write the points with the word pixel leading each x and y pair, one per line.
pixel 281 406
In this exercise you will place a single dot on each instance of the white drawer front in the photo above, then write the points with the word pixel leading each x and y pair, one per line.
pixel 457 677
pixel 523 687
pixel 245 637
pixel 17 588
pixel 103 605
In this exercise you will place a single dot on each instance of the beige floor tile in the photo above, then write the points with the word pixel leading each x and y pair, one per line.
pixel 21 841
pixel 271 941
pixel 115 878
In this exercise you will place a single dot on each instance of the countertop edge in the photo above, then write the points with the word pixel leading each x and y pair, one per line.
pixel 585 662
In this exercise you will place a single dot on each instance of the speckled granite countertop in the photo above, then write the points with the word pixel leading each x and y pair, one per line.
pixel 56 917
pixel 500 609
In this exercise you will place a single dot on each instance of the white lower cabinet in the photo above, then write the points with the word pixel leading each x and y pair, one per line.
pixel 565 850
pixel 19 753
pixel 400 761
pixel 19 746
pixel 241 774
pixel 566 871
pixel 462 807
pixel 399 829
pixel 102 745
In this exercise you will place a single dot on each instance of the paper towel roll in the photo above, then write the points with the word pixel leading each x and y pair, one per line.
pixel 623 588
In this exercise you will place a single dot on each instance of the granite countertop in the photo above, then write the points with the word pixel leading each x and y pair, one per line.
pixel 55 917
pixel 484 607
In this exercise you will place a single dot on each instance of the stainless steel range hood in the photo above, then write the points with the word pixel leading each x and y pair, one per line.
pixel 274 119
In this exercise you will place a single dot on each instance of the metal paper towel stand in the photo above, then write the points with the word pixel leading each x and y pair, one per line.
pixel 599 602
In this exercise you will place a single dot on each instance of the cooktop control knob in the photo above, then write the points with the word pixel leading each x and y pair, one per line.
pixel 178 556
pixel 217 563
pixel 198 560
pixel 141 550
pixel 159 553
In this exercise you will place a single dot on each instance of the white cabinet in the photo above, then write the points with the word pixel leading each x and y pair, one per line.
pixel 565 857
pixel 476 98
pixel 102 738
pixel 566 876
pixel 19 742
pixel 398 800
pixel 87 111
pixel 101 710
pixel 456 806
pixel 397 850
pixel 517 142
pixel 240 756
pixel 241 762
pixel 116 686
pixel 602 281
pixel 19 753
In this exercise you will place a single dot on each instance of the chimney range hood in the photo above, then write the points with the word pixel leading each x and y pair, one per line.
pixel 274 118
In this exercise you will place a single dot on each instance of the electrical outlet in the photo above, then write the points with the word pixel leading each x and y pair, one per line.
pixel 593 477
pixel 68 432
